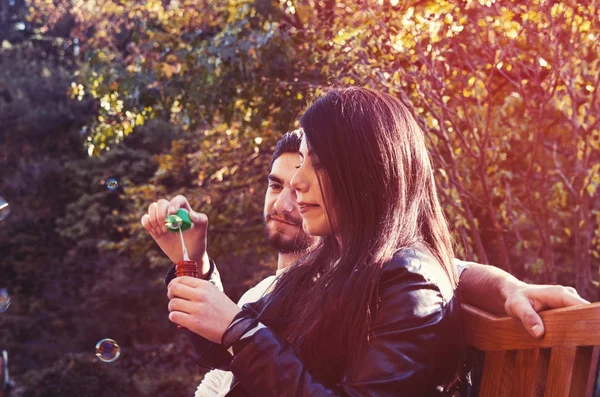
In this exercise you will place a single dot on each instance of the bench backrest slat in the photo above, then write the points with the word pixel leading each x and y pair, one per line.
pixel 560 372
pixel 525 381
pixel 561 364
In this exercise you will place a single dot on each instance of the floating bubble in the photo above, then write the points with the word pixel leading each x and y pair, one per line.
pixel 107 350
pixel 112 184
pixel 4 300
pixel 4 210
pixel 174 222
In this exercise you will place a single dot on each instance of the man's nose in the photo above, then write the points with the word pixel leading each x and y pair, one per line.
pixel 286 202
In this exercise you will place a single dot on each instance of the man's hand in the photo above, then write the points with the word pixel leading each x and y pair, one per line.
pixel 524 301
pixel 498 292
pixel 200 307
pixel 170 243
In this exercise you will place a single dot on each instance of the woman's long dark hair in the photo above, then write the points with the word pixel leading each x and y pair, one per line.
pixel 381 187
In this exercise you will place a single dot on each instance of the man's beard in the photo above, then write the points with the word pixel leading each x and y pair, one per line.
pixel 299 243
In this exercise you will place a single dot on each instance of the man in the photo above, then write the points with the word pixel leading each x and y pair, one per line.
pixel 504 293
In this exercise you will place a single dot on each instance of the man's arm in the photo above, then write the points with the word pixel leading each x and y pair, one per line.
pixel 497 291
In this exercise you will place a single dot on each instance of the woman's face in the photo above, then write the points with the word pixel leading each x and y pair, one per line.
pixel 311 201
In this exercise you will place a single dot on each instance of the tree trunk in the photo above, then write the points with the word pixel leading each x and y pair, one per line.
pixel 549 270
pixel 475 235
pixel 585 263
pixel 3 11
pixel 504 260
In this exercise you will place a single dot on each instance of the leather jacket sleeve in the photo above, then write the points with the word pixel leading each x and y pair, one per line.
pixel 415 348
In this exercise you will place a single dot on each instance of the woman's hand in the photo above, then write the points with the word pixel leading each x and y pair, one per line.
pixel 170 243
pixel 199 306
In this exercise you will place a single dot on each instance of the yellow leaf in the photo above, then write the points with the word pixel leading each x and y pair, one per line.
pixel 252 53
pixel 591 189
pixel 568 231
pixel 169 70
pixel 585 26
pixel 139 120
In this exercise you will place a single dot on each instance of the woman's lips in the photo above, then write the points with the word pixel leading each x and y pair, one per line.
pixel 303 208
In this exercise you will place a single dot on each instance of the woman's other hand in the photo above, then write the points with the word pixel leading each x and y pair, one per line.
pixel 199 306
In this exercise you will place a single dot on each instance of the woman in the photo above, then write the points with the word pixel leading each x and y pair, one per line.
pixel 372 311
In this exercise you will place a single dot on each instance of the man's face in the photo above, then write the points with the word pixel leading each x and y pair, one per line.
pixel 283 223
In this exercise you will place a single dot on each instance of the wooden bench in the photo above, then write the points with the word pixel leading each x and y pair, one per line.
pixel 561 364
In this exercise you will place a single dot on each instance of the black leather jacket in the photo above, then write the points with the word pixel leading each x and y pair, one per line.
pixel 417 346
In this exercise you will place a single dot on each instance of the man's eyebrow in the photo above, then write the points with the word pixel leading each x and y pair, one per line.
pixel 275 179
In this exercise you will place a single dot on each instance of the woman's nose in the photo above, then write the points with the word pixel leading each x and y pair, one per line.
pixel 298 182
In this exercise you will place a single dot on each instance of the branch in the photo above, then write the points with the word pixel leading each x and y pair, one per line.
pixel 562 175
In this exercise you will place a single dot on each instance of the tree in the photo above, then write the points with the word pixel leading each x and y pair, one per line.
pixel 187 97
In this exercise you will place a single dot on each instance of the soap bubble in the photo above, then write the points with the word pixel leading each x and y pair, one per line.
pixel 112 184
pixel 4 210
pixel 4 300
pixel 107 350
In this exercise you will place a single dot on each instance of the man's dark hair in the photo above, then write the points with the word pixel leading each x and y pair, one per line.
pixel 289 143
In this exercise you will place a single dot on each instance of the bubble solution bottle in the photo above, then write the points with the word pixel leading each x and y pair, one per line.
pixel 179 223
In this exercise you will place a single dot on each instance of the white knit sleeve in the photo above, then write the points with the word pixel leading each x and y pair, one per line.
pixel 210 384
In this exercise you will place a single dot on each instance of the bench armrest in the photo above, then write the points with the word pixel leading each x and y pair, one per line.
pixel 565 327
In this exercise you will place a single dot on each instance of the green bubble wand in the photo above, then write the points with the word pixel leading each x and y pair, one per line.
pixel 178 223
pixel 181 222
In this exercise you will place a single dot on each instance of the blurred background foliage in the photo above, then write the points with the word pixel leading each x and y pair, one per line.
pixel 189 97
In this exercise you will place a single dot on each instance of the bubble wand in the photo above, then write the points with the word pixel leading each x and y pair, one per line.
pixel 185 254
